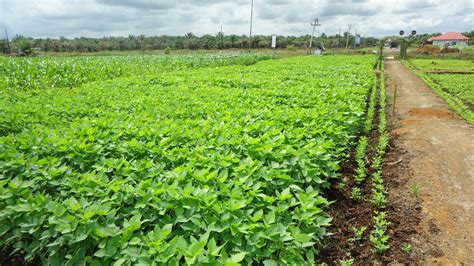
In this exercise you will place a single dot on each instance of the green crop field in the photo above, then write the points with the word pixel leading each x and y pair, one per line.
pixel 175 159
pixel 458 87
pixel 49 72
pixel 442 64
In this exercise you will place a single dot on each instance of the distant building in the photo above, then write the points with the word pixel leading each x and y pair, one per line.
pixel 450 39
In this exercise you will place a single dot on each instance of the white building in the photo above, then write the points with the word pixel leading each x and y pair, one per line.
pixel 450 39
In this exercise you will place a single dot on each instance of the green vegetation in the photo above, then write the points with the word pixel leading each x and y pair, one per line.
pixel 415 190
pixel 57 72
pixel 407 247
pixel 442 64
pixel 458 85
pixel 360 159
pixel 347 262
pixel 189 41
pixel 358 234
pixel 378 236
pixel 379 194
pixel 456 91
pixel 356 193
pixel 196 163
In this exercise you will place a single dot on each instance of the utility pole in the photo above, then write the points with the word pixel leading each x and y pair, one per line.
pixel 8 42
pixel 355 37
pixel 339 38
pixel 222 39
pixel 348 35
pixel 314 24
pixel 251 23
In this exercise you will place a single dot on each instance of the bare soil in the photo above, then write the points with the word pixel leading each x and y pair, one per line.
pixel 433 150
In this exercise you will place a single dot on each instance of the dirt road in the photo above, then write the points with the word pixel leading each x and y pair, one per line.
pixel 438 155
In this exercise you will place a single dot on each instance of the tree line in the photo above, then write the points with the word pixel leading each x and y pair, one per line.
pixel 188 41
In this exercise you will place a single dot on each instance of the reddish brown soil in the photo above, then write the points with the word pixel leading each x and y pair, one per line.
pixel 435 148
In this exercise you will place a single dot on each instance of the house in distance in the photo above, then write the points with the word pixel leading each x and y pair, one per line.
pixel 450 39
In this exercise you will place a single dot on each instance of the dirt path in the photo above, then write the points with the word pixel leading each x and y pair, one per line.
pixel 438 156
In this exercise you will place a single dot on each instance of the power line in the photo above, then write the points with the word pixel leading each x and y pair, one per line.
pixel 314 24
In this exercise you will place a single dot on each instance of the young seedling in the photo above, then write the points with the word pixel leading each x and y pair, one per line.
pixel 358 234
pixel 342 185
pixel 406 247
pixel 415 190
pixel 347 262
pixel 379 199
pixel 378 236
pixel 356 194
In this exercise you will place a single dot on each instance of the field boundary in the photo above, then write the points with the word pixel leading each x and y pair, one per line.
pixel 454 102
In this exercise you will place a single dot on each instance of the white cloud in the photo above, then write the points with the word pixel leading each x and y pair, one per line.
pixel 96 18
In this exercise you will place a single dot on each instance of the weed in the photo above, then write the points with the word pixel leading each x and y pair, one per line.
pixel 406 247
pixel 415 190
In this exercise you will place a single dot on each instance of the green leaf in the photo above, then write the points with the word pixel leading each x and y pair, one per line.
pixel 238 257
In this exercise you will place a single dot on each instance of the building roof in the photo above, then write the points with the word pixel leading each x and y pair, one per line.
pixel 449 36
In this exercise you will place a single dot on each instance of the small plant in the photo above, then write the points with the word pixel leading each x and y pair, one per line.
pixel 356 194
pixel 377 163
pixel 358 234
pixel 383 143
pixel 379 199
pixel 347 262
pixel 342 185
pixel 415 190
pixel 168 50
pixel 360 158
pixel 378 236
pixel 406 247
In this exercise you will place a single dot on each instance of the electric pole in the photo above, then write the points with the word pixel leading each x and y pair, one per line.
pixel 8 42
pixel 251 23
pixel 339 38
pixel 355 37
pixel 222 39
pixel 314 24
pixel 348 35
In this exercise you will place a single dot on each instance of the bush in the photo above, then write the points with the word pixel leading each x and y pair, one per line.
pixel 168 50
pixel 24 46
pixel 291 48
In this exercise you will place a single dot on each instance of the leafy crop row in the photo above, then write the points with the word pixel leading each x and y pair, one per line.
pixel 57 72
pixel 197 166
pixel 363 144
pixel 458 85
pixel 378 235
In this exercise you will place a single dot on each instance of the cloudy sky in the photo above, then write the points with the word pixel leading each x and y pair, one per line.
pixel 97 18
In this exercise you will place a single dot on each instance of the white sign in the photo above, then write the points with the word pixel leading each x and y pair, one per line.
pixel 274 41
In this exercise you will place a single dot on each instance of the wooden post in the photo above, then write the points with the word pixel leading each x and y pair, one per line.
pixel 394 101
